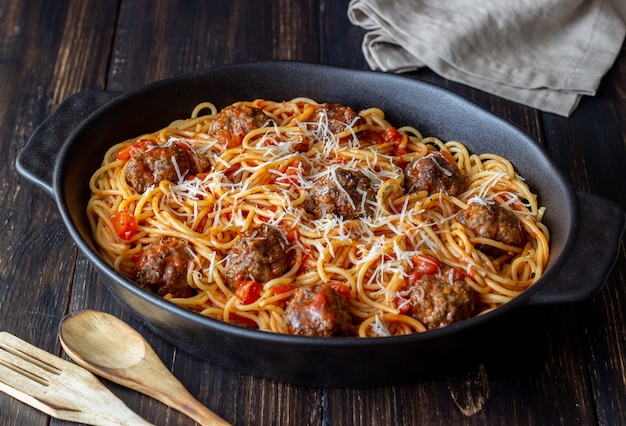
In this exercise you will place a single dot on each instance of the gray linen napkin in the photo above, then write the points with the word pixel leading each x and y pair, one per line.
pixel 542 53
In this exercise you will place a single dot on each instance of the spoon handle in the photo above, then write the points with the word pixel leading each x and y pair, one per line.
pixel 169 390
pixel 177 397
pixel 151 377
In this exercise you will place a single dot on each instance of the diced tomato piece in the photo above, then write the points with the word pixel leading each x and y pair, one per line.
pixel 232 140
pixel 292 234
pixel 125 224
pixel 293 172
pixel 391 134
pixel 459 274
pixel 280 289
pixel 127 152
pixel 123 154
pixel 448 157
pixel 271 141
pixel 424 265
pixel 249 292
pixel 402 304
pixel 290 174
pixel 400 140
pixel 202 175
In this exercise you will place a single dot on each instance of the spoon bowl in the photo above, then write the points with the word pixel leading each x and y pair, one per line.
pixel 89 335
pixel 110 348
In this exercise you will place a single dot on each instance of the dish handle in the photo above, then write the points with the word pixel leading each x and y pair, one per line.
pixel 590 260
pixel 37 159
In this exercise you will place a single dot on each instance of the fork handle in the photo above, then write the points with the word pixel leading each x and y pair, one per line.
pixel 151 377
pixel 57 387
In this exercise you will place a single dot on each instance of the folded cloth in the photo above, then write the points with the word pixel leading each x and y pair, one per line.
pixel 542 53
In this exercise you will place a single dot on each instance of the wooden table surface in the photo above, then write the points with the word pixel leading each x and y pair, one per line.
pixel 573 372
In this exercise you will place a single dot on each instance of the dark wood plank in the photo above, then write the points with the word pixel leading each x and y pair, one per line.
pixel 173 38
pixel 42 60
pixel 340 41
pixel 160 39
pixel 591 148
pixel 565 364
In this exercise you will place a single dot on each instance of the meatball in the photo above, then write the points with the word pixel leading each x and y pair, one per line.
pixel 493 222
pixel 260 255
pixel 345 200
pixel 434 173
pixel 318 310
pixel 439 300
pixel 155 163
pixel 234 122
pixel 337 116
pixel 162 267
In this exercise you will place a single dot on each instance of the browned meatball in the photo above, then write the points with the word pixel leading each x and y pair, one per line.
pixel 493 222
pixel 260 255
pixel 162 267
pixel 318 310
pixel 154 163
pixel 338 117
pixel 434 173
pixel 234 122
pixel 326 197
pixel 441 299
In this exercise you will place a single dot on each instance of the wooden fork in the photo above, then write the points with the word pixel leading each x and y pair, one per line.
pixel 58 387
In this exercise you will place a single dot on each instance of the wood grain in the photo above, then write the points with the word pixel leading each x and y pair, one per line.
pixel 558 365
pixel 58 387
pixel 38 67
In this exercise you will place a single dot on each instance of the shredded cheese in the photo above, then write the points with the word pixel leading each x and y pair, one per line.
pixel 268 177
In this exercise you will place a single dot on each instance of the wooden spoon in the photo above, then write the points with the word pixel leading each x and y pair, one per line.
pixel 110 348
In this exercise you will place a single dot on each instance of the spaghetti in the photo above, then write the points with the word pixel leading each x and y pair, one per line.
pixel 335 186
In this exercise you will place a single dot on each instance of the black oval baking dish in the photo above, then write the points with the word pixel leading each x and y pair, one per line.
pixel 68 147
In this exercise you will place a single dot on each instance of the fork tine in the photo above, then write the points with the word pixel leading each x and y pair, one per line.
pixel 22 363
pixel 8 375
pixel 57 387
